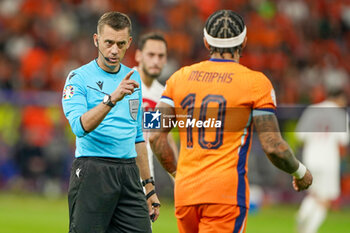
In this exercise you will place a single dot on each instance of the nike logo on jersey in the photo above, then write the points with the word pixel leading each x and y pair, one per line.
pixel 77 172
pixel 100 85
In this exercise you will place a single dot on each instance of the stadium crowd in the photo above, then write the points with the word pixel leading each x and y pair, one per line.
pixel 302 46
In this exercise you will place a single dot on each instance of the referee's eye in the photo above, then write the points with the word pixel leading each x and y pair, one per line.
pixel 121 44
pixel 109 43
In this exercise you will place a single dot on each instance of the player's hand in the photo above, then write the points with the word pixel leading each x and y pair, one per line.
pixel 153 207
pixel 303 183
pixel 126 87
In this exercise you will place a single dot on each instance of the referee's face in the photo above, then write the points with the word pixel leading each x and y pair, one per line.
pixel 112 46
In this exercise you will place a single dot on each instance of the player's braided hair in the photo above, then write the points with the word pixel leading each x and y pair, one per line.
pixel 225 24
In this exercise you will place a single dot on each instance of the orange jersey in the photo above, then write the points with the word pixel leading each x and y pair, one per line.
pixel 212 166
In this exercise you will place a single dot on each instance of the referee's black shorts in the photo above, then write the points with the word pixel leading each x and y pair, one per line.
pixel 105 196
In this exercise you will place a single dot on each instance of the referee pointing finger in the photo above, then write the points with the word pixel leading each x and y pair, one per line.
pixel 102 102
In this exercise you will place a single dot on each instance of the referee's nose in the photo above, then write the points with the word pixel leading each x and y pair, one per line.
pixel 114 49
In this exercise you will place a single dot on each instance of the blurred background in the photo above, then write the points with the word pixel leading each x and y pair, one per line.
pixel 302 46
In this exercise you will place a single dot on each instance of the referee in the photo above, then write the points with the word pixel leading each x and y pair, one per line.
pixel 102 102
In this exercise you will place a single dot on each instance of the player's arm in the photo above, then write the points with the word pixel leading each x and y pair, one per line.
pixel 279 152
pixel 173 146
pixel 92 118
pixel 142 163
pixel 160 144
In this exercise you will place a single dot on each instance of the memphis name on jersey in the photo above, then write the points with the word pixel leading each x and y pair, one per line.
pixel 117 134
pixel 202 76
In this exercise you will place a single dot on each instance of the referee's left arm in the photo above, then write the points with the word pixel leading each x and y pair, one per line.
pixel 142 162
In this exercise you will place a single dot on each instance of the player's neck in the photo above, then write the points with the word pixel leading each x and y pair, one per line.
pixel 226 56
pixel 145 78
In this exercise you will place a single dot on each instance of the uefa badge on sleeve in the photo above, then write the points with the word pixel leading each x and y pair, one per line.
pixel 68 92
pixel 151 120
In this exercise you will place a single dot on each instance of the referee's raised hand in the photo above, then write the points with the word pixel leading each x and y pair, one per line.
pixel 126 87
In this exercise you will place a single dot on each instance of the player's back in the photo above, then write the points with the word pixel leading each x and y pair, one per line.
pixel 222 94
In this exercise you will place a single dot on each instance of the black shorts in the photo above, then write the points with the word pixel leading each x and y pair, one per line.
pixel 105 196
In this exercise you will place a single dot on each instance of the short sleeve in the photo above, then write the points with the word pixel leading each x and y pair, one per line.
pixel 74 102
pixel 264 101
pixel 168 93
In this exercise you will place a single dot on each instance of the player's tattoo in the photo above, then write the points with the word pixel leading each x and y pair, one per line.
pixel 266 123
pixel 273 144
pixel 164 152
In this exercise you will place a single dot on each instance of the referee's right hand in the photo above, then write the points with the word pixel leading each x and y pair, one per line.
pixel 126 87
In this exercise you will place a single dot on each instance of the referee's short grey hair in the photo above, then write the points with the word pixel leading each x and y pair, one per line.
pixel 116 20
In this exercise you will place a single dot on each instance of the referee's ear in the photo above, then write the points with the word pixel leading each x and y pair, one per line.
pixel 129 42
pixel 95 38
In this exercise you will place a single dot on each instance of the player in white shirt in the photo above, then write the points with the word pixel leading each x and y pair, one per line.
pixel 151 57
pixel 323 128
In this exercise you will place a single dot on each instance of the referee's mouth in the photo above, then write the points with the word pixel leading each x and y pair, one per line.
pixel 113 59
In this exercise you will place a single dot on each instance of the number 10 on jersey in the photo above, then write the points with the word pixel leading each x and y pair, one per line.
pixel 188 103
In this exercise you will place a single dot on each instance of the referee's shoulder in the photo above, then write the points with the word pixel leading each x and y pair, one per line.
pixel 75 76
pixel 81 71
